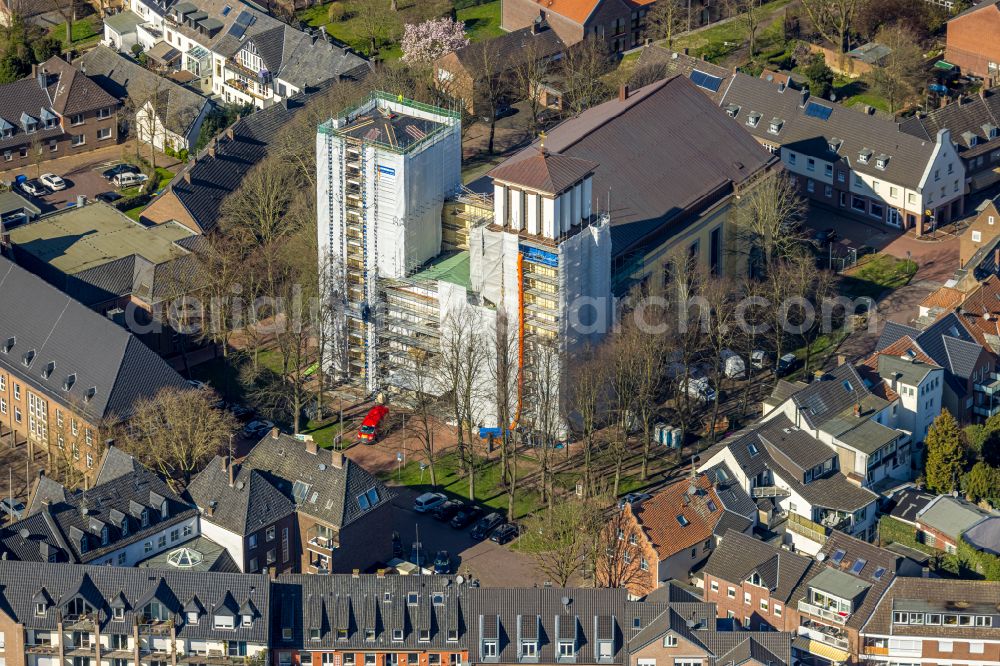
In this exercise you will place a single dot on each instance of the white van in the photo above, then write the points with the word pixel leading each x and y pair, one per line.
pixel 124 180
pixel 732 364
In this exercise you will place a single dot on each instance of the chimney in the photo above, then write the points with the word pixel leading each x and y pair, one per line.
pixel 536 26
pixel 356 573
pixel 228 467
pixel 841 359
pixel 311 446
pixel 81 201
pixel 337 459
pixel 275 432
pixel 623 92
pixel 804 97
pixel 229 133
pixel 187 176
pixel 210 509
pixel 857 410
pixel 380 573
pixel 211 149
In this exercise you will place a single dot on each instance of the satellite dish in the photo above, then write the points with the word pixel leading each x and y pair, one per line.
pixel 24 533
pixel 322 467
pixel 459 579
pixel 820 557
pixel 565 601
pixel 239 485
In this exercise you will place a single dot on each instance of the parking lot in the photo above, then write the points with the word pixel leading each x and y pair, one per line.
pixel 485 561
pixel 87 182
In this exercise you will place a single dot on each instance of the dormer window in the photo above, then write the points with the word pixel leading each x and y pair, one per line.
pixel 224 622
pixel 733 110
pixel 118 613
pixel 755 579
pixel 881 162
pixel 864 156
pixel 314 634
pixel 247 620
pixel 424 635
pixel 411 599
pixel 164 510
pixel 28 357
pixel 191 617
pixel 104 535
pixel 124 527
pixel 437 599
pixel 775 125
pixel 341 634
pixel 369 634
pixel 490 649
pixel 834 145
pixel 83 544
pixel 452 635
pixel 397 634
pixel 145 517
pixel 753 119
pixel 567 650
pixel 529 649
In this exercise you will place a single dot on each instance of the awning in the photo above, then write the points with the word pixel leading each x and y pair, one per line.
pixel 823 650
pixel 163 53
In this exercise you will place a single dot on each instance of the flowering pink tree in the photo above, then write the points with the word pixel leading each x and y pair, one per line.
pixel 424 42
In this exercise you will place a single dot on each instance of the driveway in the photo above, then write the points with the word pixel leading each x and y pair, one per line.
pixel 491 564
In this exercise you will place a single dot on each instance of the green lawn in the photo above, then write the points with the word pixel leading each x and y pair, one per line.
pixel 489 490
pixel 482 21
pixel 876 274
pixel 135 213
pixel 852 92
pixel 720 40
pixel 323 434
pixel 85 32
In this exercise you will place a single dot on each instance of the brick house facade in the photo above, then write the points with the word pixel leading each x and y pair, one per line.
pixel 58 111
pixel 972 44
pixel 620 23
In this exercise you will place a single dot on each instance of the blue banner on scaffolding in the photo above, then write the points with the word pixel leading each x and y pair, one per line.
pixel 389 171
pixel 539 256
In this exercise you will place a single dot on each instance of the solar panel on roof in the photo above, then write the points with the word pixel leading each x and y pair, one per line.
pixel 243 21
pixel 818 111
pixel 706 81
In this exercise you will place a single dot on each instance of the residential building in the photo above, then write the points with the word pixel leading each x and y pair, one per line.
pixel 194 197
pixel 860 419
pixel 55 112
pixel 984 536
pixel 238 53
pixel 16 210
pixel 942 522
pixel 962 344
pixel 824 600
pixel 934 620
pixel 676 529
pixel 969 44
pixel 75 614
pixel 660 62
pixel 939 302
pixel 118 522
pixel 169 115
pixel 65 371
pixel 620 23
pixel 852 161
pixel 972 122
pixel 121 30
pixel 798 483
pixel 116 266
pixel 290 506
pixel 460 73
pixel 977 244
pixel 908 503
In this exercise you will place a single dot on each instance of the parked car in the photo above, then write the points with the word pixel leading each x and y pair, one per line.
pixel 124 180
pixel 194 383
pixel 239 411
pixel 14 509
pixel 486 525
pixel 446 510
pixel 786 364
pixel 502 111
pixel 418 555
pixel 368 432
pixel 465 516
pixel 732 364
pixel 34 188
pixel 257 428
pixel 698 388
pixel 760 359
pixel 108 197
pixel 428 502
pixel 109 174
pixel 442 562
pixel 633 498
pixel 52 181
pixel 505 533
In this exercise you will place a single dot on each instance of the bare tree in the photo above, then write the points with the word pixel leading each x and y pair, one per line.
pixel 542 414
pixel 898 76
pixel 767 216
pixel 667 18
pixel 376 22
pixel 833 19
pixel 618 556
pixel 719 294
pixel 583 66
pixel 622 382
pixel 423 377
pixel 748 15
pixel 67 10
pixel 506 381
pixel 584 404
pixel 558 539
pixel 532 68
pixel 490 82
pixel 682 283
pixel 177 431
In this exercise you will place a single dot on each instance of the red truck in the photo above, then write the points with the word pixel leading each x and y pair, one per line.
pixel 368 432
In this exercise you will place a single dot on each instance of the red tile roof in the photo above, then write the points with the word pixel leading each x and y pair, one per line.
pixel 660 516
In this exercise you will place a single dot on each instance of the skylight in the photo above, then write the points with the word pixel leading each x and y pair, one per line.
pixel 838 556
pixel 711 506
pixel 300 491
pixel 859 565
pixel 682 520
pixel 878 573
pixel 752 449
pixel 818 111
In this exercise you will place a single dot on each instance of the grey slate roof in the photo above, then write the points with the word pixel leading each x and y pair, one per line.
pixel 664 154
pixel 910 373
pixel 739 555
pixel 837 392
pixel 672 62
pixel 100 586
pixel 973 115
pixel 909 503
pixel 510 49
pixel 179 107
pixel 110 368
pixel 213 178
pixel 115 464
pixel 80 515
pixel 985 535
pixel 810 135
pixel 280 476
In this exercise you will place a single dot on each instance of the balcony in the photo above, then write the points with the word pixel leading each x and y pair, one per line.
pixel 769 491
pixel 807 528
pixel 825 613
pixel 41 648
pixel 987 411
pixel 832 636
pixel 879 650
pixel 990 386
pixel 323 539
pixel 243 87
pixel 155 628
pixel 83 622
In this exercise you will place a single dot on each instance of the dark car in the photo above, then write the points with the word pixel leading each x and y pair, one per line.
pixel 445 511
pixel 108 197
pixel 442 562
pixel 109 174
pixel 486 525
pixel 786 364
pixel 465 516
pixel 505 533
pixel 824 236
